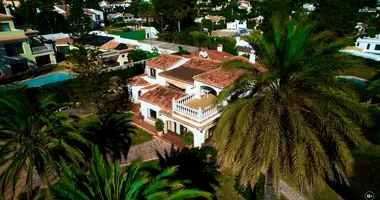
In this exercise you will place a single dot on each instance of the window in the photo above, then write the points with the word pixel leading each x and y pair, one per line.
pixel 123 56
pixel 14 49
pixel 153 72
pixel 4 27
pixel 368 45
pixel 98 17
pixel 357 44
pixel 126 62
pixel 152 114
pixel 139 93
pixel 377 47
pixel 19 66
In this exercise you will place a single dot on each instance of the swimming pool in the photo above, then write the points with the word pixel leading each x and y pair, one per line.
pixel 44 80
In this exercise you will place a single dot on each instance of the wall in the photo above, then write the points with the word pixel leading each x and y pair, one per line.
pixel 122 59
pixel 362 43
pixel 198 86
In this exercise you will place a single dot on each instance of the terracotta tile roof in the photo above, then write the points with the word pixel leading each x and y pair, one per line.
pixel 256 65
pixel 183 74
pixel 216 18
pixel 222 33
pixel 63 40
pixel 219 77
pixel 138 81
pixel 212 54
pixel 13 38
pixel 163 61
pixel 202 64
pixel 150 87
pixel 109 45
pixel 353 48
pixel 128 14
pixel 162 97
pixel 6 17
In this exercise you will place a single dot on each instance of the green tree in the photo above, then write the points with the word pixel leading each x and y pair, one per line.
pixel 106 180
pixel 79 23
pixel 178 15
pixel 146 10
pixel 294 120
pixel 197 168
pixel 33 137
pixel 111 133
pixel 53 22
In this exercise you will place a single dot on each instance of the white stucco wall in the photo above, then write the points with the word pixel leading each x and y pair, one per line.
pixel 198 86
pixel 370 43
pixel 123 59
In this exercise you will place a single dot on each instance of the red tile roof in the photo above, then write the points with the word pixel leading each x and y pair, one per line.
pixel 212 54
pixel 162 96
pixel 109 45
pixel 150 87
pixel 219 77
pixel 256 65
pixel 21 37
pixel 138 81
pixel 202 64
pixel 63 40
pixel 163 61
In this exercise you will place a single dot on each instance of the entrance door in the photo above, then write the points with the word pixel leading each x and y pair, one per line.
pixel 183 129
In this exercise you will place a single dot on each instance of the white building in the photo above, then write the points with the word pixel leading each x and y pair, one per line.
pixel 115 16
pixel 97 17
pixel 365 47
pixel 244 5
pixel 237 24
pixel 180 91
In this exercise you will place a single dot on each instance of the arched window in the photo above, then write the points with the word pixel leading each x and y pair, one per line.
pixel 139 93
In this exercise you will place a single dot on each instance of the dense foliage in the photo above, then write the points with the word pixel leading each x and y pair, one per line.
pixel 297 120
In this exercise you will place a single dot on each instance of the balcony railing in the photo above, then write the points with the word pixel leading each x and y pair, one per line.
pixel 199 114
pixel 42 49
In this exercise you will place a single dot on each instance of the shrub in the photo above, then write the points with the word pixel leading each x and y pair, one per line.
pixel 159 125
pixel 188 138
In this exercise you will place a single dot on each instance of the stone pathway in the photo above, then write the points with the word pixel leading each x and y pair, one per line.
pixel 288 192
pixel 147 151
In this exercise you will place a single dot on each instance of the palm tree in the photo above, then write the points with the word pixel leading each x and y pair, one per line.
pixel 198 166
pixel 34 140
pixel 112 133
pixel 296 119
pixel 146 10
pixel 107 181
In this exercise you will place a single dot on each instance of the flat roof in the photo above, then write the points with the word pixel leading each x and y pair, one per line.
pixel 183 74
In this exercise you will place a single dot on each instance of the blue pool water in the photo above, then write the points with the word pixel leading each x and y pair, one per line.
pixel 52 78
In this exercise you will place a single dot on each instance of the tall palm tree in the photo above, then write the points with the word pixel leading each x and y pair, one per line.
pixel 107 181
pixel 34 140
pixel 146 10
pixel 112 133
pixel 198 166
pixel 296 119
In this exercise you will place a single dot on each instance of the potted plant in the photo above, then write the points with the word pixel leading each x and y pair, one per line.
pixel 159 127
pixel 188 139
pixel 141 117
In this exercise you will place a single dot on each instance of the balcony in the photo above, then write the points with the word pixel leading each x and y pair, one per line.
pixel 42 49
pixel 197 109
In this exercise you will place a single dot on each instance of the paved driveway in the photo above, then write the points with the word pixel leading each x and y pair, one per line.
pixel 147 151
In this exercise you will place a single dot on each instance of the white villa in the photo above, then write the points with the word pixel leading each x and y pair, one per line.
pixel 365 47
pixel 180 91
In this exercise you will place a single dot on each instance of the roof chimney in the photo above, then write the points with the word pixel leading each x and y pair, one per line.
pixel 252 57
pixel 220 48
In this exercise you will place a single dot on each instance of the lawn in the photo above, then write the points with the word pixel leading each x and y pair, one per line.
pixel 361 72
pixel 140 137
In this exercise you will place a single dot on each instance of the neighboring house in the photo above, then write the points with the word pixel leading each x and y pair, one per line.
pixel 237 24
pixel 124 4
pixel 97 17
pixel 244 5
pixel 11 2
pixel 309 7
pixel 214 19
pixel 243 47
pixel 21 50
pixel 150 32
pixel 115 53
pixel 114 16
pixel 225 33
pixel 365 47
pixel 180 91
pixel 128 16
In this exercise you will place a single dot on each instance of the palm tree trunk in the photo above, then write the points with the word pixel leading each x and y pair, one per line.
pixel 269 184
pixel 179 26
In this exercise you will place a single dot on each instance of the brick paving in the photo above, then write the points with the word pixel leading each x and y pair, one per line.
pixel 147 151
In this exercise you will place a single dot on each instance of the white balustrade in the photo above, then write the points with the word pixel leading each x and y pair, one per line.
pixel 197 114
